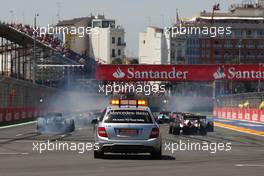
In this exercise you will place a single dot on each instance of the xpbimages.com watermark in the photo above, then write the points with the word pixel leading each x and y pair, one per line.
pixel 79 31
pixel 53 146
pixel 212 147
pixel 145 89
pixel 212 31
pixel 172 147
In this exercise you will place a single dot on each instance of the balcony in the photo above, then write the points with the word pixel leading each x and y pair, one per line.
pixel 121 44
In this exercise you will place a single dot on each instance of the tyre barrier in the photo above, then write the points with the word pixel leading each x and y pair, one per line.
pixel 243 114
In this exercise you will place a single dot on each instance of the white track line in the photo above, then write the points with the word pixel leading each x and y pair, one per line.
pixel 14 153
pixel 16 125
pixel 249 165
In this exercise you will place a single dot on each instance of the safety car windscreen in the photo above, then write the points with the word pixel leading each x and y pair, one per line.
pixel 128 116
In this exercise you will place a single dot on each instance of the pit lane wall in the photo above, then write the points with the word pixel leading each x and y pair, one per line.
pixel 243 114
pixel 22 101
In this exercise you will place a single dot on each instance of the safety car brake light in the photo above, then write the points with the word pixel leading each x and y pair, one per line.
pixel 154 133
pixel 102 132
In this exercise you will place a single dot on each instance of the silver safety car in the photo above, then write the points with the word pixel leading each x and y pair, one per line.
pixel 127 126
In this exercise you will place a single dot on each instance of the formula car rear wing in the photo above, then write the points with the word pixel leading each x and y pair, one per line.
pixel 193 117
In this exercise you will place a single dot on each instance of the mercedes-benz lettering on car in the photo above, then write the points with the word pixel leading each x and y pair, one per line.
pixel 127 126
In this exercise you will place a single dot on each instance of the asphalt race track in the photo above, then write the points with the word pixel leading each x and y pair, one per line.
pixel 18 158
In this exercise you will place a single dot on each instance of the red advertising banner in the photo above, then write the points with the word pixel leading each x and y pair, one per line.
pixel 244 114
pixel 180 72
pixel 13 115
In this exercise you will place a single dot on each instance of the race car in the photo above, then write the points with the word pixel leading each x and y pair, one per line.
pixel 190 124
pixel 127 126
pixel 82 119
pixel 164 117
pixel 55 123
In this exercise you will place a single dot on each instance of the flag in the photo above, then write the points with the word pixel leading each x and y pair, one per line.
pixel 177 17
pixel 178 20
pixel 216 7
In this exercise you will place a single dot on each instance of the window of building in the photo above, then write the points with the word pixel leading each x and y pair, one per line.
pixel 216 52
pixel 113 40
pixel 119 42
pixel 173 54
pixel 250 44
pixel 260 33
pixel 238 34
pixel 119 52
pixel 113 53
pixel 107 24
pixel 249 33
pixel 250 53
pixel 179 53
pixel 97 23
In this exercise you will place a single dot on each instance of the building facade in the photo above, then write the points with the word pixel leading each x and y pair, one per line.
pixel 97 36
pixel 244 45
pixel 76 43
pixel 154 46
pixel 107 41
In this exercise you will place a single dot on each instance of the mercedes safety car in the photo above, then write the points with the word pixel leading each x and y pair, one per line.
pixel 127 126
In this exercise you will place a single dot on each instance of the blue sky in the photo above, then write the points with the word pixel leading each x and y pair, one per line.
pixel 133 15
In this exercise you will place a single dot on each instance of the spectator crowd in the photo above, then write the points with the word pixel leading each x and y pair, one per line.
pixel 50 40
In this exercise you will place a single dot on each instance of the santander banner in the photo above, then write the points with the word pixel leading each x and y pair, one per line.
pixel 180 72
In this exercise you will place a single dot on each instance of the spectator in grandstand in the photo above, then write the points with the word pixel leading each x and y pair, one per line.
pixel 244 105
pixel 261 106
pixel 240 105
pixel 50 40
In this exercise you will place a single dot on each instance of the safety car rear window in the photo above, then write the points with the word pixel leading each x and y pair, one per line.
pixel 128 116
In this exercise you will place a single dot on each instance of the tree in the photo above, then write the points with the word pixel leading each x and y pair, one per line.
pixel 134 61
pixel 117 61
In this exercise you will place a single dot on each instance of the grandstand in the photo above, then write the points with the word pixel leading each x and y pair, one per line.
pixel 16 58
pixel 56 69
pixel 241 100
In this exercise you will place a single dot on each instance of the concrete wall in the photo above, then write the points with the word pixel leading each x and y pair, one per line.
pixel 22 101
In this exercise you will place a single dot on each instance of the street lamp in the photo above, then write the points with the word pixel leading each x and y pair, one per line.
pixel 12 16
pixel 216 7
pixel 239 51
pixel 34 49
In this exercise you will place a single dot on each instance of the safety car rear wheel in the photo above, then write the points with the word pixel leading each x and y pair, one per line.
pixel 98 154
pixel 156 154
